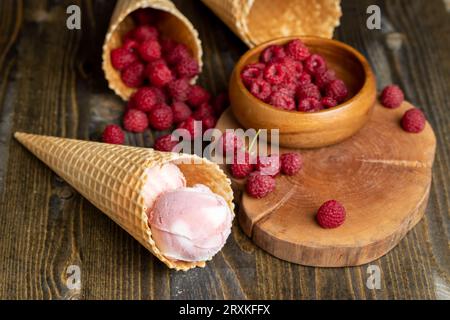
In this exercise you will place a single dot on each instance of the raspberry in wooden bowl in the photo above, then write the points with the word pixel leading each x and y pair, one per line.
pixel 316 91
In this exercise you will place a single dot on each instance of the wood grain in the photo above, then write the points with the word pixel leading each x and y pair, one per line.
pixel 51 82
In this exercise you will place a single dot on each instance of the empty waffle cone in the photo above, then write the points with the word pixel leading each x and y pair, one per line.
pixel 170 22
pixel 112 177
pixel 257 21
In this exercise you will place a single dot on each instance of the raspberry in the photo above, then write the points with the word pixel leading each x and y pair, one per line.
pixel 274 73
pixel 282 101
pixel 142 16
pixel 179 89
pixel 260 89
pixel 161 117
pixel 192 126
pixel 135 121
pixel 203 111
pixel 392 96
pixel 304 79
pixel 315 64
pixel 287 89
pixel 178 53
pixel 309 105
pixel 144 33
pixel 122 58
pixel 323 78
pixel 145 99
pixel 413 121
pixel 208 122
pixel 187 67
pixel 130 45
pixel 150 50
pixel 271 52
pixel 252 72
pixel 113 134
pixel 308 91
pixel 167 45
pixel 220 103
pixel 159 74
pixel 291 163
pixel 268 165
pixel 297 50
pixel 133 75
pixel 180 111
pixel 197 96
pixel 293 67
pixel 229 143
pixel 242 166
pixel 331 214
pixel 258 186
pixel 328 102
pixel 337 90
pixel 160 94
pixel 165 143
pixel 130 104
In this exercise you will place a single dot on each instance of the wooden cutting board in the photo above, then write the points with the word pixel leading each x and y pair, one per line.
pixel 382 176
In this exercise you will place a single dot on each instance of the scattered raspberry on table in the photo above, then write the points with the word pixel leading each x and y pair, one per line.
pixel 331 214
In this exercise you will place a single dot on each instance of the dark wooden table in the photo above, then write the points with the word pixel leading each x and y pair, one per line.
pixel 51 83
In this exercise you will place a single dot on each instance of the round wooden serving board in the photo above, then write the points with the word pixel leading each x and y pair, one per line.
pixel 381 175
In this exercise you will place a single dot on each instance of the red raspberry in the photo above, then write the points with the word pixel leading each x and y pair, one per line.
pixel 315 64
pixel 187 67
pixel 268 165
pixel 159 74
pixel 304 79
pixel 260 89
pixel 208 122
pixel 272 52
pixel 337 90
pixel 413 121
pixel 145 99
pixel 178 53
pixel 258 185
pixel 143 16
pixel 113 134
pixel 392 96
pixel 161 117
pixel 167 45
pixel 133 75
pixel 229 143
pixel 179 89
pixel 150 50
pixel 291 163
pixel 180 111
pixel 293 67
pixel 322 79
pixel 309 105
pixel 130 104
pixel 165 143
pixel 160 94
pixel 122 58
pixel 203 111
pixel 130 45
pixel 297 50
pixel 287 89
pixel 328 102
pixel 242 166
pixel 197 96
pixel 135 121
pixel 252 72
pixel 192 126
pixel 144 33
pixel 274 73
pixel 331 214
pixel 220 103
pixel 308 91
pixel 282 101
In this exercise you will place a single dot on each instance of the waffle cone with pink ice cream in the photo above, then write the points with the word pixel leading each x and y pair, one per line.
pixel 178 206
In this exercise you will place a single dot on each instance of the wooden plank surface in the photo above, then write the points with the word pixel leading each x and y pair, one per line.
pixel 51 83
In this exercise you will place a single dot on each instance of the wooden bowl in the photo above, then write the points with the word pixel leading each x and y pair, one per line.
pixel 310 129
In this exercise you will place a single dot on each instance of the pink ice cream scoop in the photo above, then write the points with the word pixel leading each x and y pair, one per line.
pixel 190 224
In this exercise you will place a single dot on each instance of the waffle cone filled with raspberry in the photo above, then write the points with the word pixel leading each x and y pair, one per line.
pixel 170 23
pixel 257 21
pixel 120 181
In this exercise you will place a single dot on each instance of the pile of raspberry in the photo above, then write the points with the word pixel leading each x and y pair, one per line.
pixel 292 78
pixel 161 70
pixel 260 171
